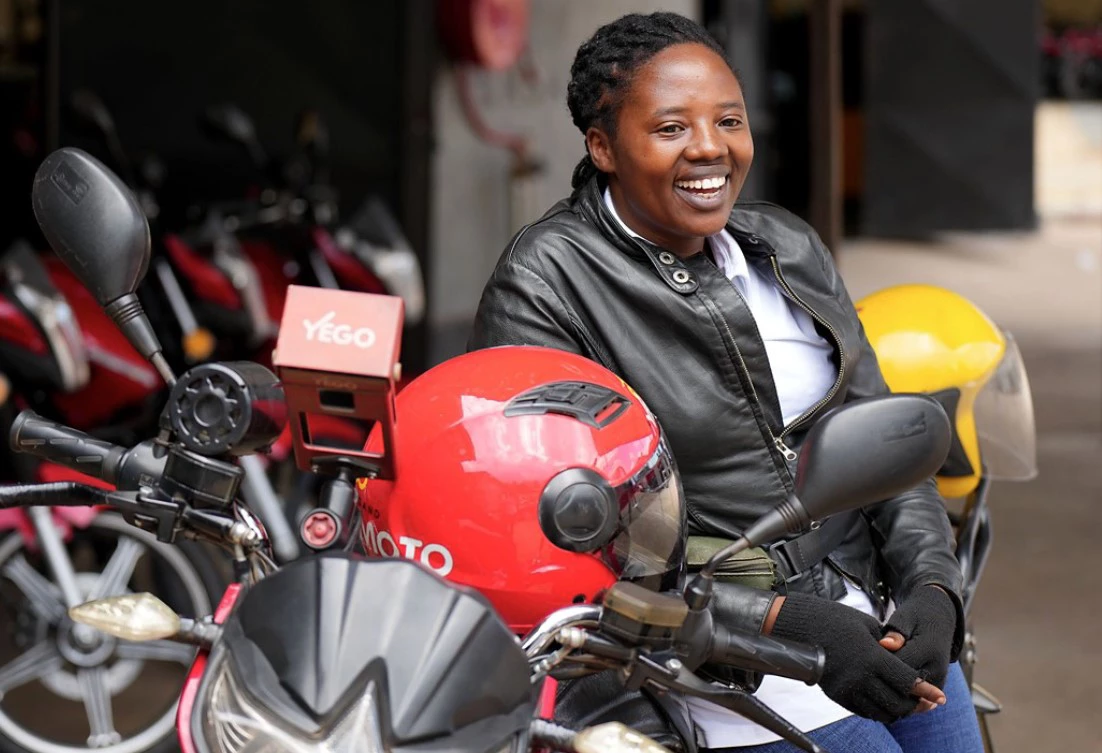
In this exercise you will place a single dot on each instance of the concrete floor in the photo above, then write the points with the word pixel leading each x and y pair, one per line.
pixel 1038 610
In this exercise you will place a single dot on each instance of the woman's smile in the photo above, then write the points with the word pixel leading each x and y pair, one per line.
pixel 704 194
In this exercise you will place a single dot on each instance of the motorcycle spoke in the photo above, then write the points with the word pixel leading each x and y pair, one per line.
pixel 119 569
pixel 35 664
pixel 169 651
pixel 41 594
pixel 97 704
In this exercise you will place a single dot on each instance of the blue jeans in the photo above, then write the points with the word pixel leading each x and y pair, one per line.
pixel 951 728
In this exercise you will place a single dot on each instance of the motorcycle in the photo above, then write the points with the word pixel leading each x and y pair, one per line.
pixel 369 253
pixel 316 656
pixel 239 292
pixel 55 557
pixel 931 340
pixel 292 221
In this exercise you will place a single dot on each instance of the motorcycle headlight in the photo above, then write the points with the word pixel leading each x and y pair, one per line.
pixel 231 723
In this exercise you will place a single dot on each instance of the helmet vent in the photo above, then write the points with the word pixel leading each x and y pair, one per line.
pixel 591 404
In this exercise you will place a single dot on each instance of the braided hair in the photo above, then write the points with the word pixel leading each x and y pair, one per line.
pixel 604 65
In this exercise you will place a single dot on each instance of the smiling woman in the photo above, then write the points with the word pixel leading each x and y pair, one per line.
pixel 677 154
pixel 730 321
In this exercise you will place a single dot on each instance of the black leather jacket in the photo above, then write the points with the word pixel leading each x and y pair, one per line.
pixel 682 336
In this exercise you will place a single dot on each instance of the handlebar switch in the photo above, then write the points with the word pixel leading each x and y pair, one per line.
pixel 204 482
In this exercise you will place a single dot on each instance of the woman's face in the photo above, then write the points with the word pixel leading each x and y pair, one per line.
pixel 681 150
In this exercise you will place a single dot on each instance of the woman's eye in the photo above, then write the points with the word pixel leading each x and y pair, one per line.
pixel 730 122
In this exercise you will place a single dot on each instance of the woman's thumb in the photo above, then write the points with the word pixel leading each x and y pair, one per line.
pixel 893 641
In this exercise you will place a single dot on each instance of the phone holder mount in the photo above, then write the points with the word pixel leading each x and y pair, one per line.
pixel 337 356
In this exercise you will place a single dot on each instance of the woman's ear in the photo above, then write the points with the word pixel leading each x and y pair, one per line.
pixel 600 150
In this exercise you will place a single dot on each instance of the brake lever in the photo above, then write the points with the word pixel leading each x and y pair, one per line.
pixel 673 675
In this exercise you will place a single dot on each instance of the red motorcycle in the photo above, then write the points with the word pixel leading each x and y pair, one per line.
pixel 216 297
pixel 65 358
pixel 316 656
pixel 301 224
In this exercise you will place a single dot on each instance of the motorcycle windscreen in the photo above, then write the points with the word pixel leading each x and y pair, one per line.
pixel 339 654
pixel 1004 420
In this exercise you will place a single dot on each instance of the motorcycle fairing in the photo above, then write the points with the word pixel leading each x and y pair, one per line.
pixel 306 643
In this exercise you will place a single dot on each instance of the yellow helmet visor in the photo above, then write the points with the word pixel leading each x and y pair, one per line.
pixel 1004 420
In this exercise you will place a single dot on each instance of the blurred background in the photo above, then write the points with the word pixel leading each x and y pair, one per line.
pixel 954 143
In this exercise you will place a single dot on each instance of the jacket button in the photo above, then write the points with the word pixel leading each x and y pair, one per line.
pixel 681 277
pixel 667 258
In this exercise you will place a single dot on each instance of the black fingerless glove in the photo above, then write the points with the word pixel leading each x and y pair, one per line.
pixel 860 674
pixel 927 620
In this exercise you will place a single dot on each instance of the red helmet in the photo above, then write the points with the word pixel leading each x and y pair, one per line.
pixel 535 476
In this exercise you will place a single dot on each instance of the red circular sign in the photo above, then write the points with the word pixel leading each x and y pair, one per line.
pixel 488 33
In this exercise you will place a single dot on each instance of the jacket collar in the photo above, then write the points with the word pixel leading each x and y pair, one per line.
pixel 589 203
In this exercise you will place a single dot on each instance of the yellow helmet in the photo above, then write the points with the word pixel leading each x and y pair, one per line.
pixel 934 341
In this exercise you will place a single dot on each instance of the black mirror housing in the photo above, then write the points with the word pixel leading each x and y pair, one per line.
pixel 93 222
pixel 870 450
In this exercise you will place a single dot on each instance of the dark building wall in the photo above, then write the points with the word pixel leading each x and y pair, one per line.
pixel 157 65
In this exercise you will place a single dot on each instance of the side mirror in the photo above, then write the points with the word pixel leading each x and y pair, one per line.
pixel 94 223
pixel 231 122
pixel 860 453
pixel 91 109
pixel 312 133
pixel 870 450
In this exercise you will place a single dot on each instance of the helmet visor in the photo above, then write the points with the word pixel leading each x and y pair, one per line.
pixel 650 546
pixel 1004 420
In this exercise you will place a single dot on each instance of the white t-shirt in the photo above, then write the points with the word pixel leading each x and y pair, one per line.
pixel 803 372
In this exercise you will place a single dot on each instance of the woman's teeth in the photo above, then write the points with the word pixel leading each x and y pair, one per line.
pixel 706 184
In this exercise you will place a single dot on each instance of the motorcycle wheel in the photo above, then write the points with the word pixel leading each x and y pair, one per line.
pixel 66 692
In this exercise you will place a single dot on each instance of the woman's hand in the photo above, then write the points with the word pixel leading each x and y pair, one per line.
pixel 860 674
pixel 920 633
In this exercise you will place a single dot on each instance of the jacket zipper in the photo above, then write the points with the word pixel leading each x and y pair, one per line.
pixel 833 333
pixel 788 452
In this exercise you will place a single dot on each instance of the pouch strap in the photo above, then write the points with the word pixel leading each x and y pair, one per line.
pixel 800 554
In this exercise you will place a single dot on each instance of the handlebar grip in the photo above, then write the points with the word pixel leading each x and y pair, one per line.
pixel 762 653
pixel 35 435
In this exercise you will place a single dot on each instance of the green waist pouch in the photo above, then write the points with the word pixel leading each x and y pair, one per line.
pixel 751 567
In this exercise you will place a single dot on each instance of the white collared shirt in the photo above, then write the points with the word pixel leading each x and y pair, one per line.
pixel 803 372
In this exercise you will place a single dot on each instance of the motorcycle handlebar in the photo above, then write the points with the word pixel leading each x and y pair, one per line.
pixel 762 653
pixel 759 653
pixel 49 440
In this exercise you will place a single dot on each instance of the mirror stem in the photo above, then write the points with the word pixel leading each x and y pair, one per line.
pixel 160 363
pixel 129 316
pixel 789 517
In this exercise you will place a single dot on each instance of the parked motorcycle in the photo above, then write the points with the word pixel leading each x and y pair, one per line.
pixel 931 340
pixel 369 253
pixel 238 289
pixel 316 656
pixel 76 366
